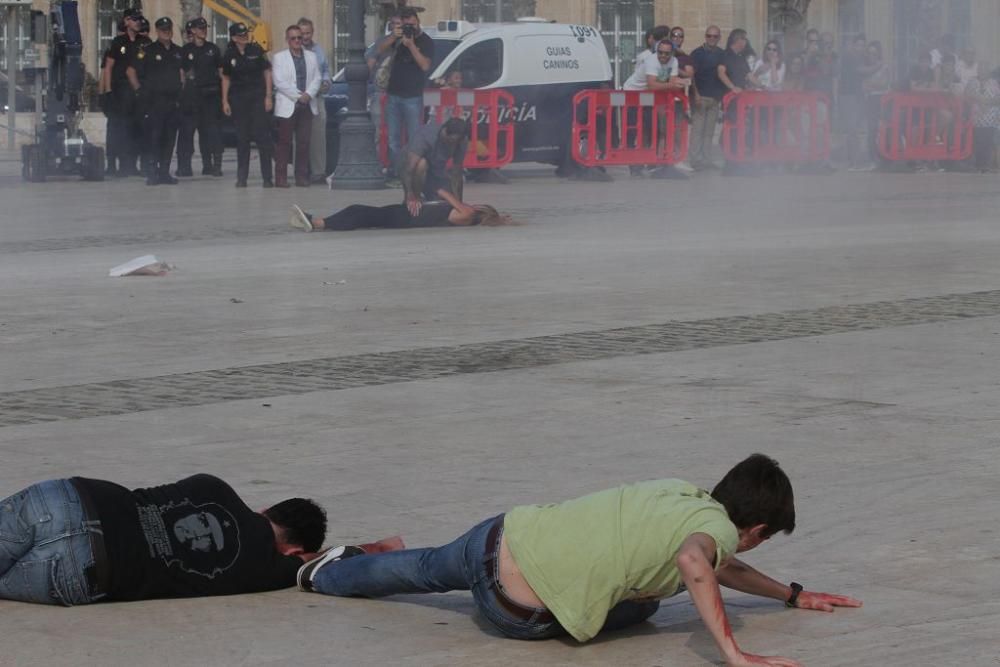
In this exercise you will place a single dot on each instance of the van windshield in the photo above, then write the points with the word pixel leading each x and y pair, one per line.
pixel 442 49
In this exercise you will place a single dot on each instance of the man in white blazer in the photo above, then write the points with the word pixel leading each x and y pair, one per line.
pixel 296 82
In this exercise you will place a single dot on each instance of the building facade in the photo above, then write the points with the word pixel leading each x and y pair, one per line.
pixel 903 26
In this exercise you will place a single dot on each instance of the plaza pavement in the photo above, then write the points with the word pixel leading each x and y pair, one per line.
pixel 416 382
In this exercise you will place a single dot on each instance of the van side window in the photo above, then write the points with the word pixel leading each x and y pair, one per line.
pixel 481 64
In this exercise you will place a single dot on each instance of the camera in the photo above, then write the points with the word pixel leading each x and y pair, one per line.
pixel 409 31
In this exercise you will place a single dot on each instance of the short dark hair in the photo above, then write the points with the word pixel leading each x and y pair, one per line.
pixel 303 521
pixel 291 28
pixel 659 32
pixel 757 491
pixel 456 127
pixel 408 13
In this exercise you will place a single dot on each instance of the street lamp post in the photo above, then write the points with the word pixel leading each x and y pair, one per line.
pixel 11 75
pixel 358 167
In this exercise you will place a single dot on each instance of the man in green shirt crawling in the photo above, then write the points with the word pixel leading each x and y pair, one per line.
pixel 600 562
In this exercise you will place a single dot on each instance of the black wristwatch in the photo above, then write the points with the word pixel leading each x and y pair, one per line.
pixel 793 599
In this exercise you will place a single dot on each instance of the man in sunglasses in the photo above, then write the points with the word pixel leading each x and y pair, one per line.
pixel 659 74
pixel 706 97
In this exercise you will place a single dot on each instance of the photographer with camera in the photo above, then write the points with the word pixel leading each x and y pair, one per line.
pixel 412 52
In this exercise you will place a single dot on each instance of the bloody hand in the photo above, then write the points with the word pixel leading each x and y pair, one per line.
pixel 824 601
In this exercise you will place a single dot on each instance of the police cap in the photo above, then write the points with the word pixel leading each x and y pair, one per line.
pixel 238 29
pixel 196 23
pixel 164 23
pixel 143 24
pixel 133 13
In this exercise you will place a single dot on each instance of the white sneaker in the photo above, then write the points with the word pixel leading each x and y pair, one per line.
pixel 684 166
pixel 299 220
pixel 305 575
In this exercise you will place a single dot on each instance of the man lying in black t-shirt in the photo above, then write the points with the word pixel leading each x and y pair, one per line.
pixel 77 541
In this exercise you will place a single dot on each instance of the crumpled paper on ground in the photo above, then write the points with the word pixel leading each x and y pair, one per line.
pixel 147 265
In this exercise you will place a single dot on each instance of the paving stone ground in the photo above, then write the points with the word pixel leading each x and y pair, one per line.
pixel 418 381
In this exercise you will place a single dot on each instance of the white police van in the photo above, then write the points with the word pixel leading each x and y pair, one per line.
pixel 542 64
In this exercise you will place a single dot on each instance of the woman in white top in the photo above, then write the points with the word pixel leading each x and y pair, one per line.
pixel 770 72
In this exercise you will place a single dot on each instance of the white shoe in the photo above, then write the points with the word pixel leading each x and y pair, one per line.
pixel 299 220
pixel 305 575
pixel 684 166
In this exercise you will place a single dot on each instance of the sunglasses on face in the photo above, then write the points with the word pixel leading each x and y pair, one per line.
pixel 677 35
pixel 295 38
pixel 711 36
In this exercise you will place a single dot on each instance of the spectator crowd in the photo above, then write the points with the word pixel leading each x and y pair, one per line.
pixel 157 95
pixel 851 85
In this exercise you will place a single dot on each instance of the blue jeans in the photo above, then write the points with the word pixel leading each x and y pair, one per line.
pixel 45 547
pixel 459 566
pixel 402 112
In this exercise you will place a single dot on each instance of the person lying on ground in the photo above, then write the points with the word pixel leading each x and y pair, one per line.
pixel 449 212
pixel 600 562
pixel 79 541
pixel 433 160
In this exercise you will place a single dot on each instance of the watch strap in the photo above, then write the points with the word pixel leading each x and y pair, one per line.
pixel 793 599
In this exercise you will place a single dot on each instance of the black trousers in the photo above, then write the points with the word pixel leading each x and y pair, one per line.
pixel 160 124
pixel 202 112
pixel 984 143
pixel 252 123
pixel 123 138
pixel 361 216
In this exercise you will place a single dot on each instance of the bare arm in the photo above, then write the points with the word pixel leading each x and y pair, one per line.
pixel 133 78
pixel 675 83
pixel 413 177
pixel 739 576
pixel 423 62
pixel 461 207
pixel 726 81
pixel 226 109
pixel 389 43
pixel 694 560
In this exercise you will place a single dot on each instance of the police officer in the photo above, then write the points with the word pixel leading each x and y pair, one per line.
pixel 120 105
pixel 157 77
pixel 201 102
pixel 247 97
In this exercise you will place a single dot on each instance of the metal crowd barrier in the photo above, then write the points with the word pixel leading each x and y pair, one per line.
pixel 926 125
pixel 782 127
pixel 630 127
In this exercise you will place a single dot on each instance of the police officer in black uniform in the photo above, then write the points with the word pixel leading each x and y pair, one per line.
pixel 120 105
pixel 157 77
pixel 201 102
pixel 246 96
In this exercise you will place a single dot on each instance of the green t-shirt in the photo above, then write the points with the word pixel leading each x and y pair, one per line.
pixel 584 556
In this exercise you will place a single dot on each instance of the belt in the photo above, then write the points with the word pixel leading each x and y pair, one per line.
pixel 98 574
pixel 491 560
